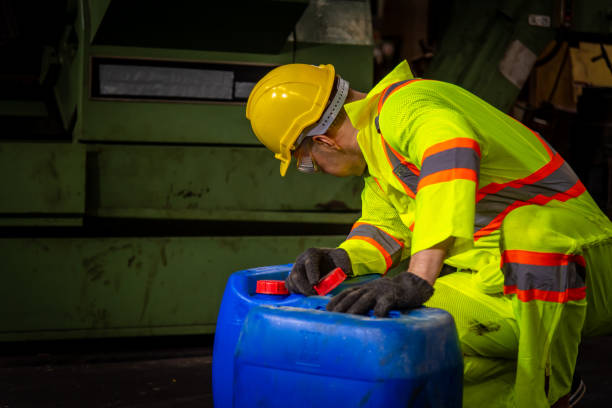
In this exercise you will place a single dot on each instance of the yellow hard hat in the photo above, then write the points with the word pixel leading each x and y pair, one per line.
pixel 287 101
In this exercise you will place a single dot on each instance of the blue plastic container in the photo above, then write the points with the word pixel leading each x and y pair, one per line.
pixel 290 352
pixel 238 299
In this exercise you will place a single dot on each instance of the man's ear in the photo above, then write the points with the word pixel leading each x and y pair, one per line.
pixel 327 141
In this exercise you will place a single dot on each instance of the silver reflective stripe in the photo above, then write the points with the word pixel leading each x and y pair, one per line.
pixel 410 179
pixel 406 176
pixel 492 205
pixel 557 278
pixel 385 240
pixel 457 157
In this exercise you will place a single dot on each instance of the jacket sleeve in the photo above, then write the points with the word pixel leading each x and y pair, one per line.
pixel 379 240
pixel 447 152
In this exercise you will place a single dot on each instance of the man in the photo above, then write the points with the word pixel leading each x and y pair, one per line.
pixel 450 179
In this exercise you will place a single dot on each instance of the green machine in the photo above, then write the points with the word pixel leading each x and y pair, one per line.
pixel 131 184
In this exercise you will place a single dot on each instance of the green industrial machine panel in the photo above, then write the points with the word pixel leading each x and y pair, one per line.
pixel 177 113
pixel 44 182
pixel 189 82
pixel 201 182
pixel 128 218
pixel 68 288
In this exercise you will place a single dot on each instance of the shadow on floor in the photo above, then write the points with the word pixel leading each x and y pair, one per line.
pixel 135 373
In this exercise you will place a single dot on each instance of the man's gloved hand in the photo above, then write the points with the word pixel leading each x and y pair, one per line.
pixel 312 265
pixel 404 291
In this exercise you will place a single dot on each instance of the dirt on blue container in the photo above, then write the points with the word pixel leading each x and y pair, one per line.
pixel 238 299
pixel 306 357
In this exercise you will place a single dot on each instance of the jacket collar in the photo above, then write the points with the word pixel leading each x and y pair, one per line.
pixel 359 111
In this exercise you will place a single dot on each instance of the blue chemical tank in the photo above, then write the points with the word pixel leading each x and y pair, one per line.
pixel 287 351
pixel 238 299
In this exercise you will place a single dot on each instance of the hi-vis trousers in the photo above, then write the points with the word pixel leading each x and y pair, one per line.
pixel 520 346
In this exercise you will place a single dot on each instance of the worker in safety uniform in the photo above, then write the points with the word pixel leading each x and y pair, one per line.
pixel 451 179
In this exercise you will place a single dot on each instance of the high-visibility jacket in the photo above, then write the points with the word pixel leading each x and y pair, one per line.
pixel 443 163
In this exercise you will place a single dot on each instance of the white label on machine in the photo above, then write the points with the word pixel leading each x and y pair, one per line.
pixel 539 20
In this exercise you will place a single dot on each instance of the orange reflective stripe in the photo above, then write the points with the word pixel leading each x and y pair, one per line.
pixel 553 181
pixel 448 175
pixel 402 161
pixel 546 145
pixel 546 295
pixel 550 152
pixel 391 89
pixel 541 258
pixel 408 174
pixel 495 224
pixel 379 186
pixel 385 254
pixel 547 276
pixel 543 172
pixel 451 144
pixel 399 242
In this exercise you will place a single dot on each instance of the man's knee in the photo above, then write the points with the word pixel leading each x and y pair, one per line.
pixel 536 228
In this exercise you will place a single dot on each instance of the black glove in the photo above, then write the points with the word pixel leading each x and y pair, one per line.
pixel 312 265
pixel 404 291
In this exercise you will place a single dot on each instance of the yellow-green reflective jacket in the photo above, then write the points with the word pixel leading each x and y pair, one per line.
pixel 443 163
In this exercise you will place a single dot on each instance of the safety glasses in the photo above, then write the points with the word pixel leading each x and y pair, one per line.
pixel 303 154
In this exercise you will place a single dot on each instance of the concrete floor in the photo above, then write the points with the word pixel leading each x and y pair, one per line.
pixel 168 372
pixel 135 373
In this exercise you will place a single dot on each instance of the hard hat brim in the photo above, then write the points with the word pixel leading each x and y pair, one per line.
pixel 284 165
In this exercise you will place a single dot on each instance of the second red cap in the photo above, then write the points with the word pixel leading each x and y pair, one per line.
pixel 330 281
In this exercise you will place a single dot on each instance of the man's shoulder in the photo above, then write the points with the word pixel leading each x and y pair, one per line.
pixel 426 89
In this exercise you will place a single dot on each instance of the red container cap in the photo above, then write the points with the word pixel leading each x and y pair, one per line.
pixel 271 287
pixel 330 281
